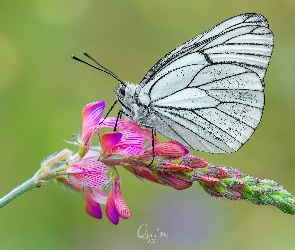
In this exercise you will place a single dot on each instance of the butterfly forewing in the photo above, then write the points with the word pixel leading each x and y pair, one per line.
pixel 243 34
pixel 208 93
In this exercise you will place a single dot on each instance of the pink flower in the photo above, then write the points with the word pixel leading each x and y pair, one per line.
pixel 91 175
pixel 116 206
pixel 87 172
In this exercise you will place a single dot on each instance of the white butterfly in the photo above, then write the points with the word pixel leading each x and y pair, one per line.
pixel 208 93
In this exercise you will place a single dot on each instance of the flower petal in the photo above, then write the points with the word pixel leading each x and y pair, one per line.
pixel 74 170
pixel 91 206
pixel 129 151
pixel 71 185
pixel 121 205
pixel 110 122
pixel 146 133
pixel 170 149
pixel 111 210
pixel 193 161
pixel 109 141
pixel 91 115
pixel 99 196
pixel 87 138
pixel 130 143
pixel 132 139
pixel 92 174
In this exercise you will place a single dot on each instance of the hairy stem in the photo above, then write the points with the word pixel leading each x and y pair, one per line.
pixel 26 186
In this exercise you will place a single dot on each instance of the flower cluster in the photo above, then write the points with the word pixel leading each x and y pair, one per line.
pixel 130 147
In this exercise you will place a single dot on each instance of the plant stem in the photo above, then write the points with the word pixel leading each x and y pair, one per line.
pixel 26 186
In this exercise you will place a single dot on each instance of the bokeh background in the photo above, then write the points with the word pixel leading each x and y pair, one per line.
pixel 42 92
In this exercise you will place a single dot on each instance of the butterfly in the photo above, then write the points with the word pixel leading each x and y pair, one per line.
pixel 207 93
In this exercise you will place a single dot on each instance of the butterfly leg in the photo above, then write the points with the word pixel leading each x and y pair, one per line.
pixel 153 146
pixel 111 108
pixel 118 117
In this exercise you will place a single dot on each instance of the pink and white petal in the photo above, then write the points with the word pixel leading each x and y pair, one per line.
pixel 120 203
pixel 93 153
pixel 145 133
pixel 111 210
pixel 89 180
pixel 129 151
pixel 87 138
pixel 109 141
pixel 71 185
pixel 91 206
pixel 132 139
pixel 93 179
pixel 92 174
pixel 121 206
pixel 94 165
pixel 170 149
pixel 91 115
pixel 99 196
pixel 179 145
pixel 74 170
pixel 110 122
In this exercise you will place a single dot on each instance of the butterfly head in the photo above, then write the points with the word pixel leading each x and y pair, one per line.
pixel 125 93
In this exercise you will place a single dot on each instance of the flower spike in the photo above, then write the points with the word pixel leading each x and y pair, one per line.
pixel 131 148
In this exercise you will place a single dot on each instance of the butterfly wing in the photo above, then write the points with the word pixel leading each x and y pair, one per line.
pixel 208 93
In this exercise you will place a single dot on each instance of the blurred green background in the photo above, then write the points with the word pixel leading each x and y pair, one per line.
pixel 42 92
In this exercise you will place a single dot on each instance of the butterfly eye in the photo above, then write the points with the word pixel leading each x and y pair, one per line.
pixel 122 90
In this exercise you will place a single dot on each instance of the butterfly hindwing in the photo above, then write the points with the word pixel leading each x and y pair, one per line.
pixel 216 111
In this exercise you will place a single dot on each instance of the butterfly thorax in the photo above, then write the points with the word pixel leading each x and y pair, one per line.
pixel 126 94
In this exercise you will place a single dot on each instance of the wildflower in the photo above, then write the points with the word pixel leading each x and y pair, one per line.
pixel 88 175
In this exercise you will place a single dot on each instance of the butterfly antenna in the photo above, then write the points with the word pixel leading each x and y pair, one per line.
pixel 103 69
pixel 91 58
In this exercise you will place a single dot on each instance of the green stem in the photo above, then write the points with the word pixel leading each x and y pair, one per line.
pixel 26 186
